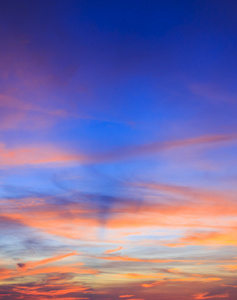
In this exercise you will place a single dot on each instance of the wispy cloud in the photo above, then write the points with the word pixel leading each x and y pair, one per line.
pixel 31 265
pixel 42 154
pixel 208 296
pixel 113 250
pixel 160 146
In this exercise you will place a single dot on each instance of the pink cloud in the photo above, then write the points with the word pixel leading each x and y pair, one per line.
pixel 152 148
pixel 35 155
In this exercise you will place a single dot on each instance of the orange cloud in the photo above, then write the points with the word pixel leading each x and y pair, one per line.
pixel 126 296
pixel 229 285
pixel 62 298
pixel 205 296
pixel 133 259
pixel 57 291
pixel 35 268
pixel 139 276
pixel 52 219
pixel 113 250
pixel 175 271
pixel 156 283
pixel 230 267
pixel 48 270
pixel 208 238
pixel 30 265
pixel 188 207
pixel 197 209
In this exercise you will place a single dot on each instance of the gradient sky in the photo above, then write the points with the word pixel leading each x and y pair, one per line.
pixel 118 150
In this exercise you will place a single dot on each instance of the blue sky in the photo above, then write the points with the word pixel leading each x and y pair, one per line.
pixel 118 150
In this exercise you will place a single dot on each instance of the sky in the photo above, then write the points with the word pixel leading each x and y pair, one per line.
pixel 118 150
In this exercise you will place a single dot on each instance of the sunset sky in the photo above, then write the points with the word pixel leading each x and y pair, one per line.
pixel 118 149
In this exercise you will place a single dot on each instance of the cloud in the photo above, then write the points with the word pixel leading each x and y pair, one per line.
pixel 229 285
pixel 207 296
pixel 139 276
pixel 231 268
pixel 14 103
pixel 50 154
pixel 113 250
pixel 48 290
pixel 42 154
pixel 134 259
pixel 17 114
pixel 156 147
pixel 156 283
pixel 188 279
pixel 63 269
pixel 31 265
pixel 207 238
pixel 212 92
pixel 185 207
pixel 31 269
pixel 54 290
